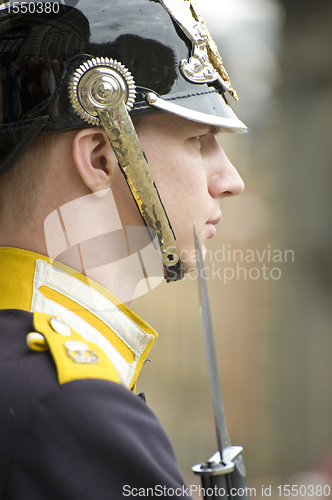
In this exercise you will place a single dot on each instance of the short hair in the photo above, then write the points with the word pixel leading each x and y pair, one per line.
pixel 23 182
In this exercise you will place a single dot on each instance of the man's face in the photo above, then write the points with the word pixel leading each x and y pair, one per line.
pixel 192 174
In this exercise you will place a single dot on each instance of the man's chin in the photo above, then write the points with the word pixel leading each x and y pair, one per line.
pixel 189 259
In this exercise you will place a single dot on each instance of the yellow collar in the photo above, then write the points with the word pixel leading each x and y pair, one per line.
pixel 30 282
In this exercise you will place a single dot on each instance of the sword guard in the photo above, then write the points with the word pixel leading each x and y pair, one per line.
pixel 215 467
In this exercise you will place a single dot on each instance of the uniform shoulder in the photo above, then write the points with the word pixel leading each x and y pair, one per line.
pixel 35 361
pixel 74 357
pixel 24 336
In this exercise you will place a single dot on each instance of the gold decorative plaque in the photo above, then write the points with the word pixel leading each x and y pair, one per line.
pixel 205 64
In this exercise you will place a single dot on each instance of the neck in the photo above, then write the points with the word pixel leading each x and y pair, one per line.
pixel 29 236
pixel 87 242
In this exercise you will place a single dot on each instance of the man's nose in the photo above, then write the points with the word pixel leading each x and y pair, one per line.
pixel 225 179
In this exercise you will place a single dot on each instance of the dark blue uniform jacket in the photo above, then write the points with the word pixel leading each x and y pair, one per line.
pixel 83 440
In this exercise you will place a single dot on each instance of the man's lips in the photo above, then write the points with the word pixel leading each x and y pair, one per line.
pixel 215 221
pixel 211 226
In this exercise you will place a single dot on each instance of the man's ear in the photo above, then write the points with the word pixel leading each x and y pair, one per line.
pixel 94 158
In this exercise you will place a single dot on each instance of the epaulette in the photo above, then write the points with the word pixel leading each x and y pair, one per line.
pixel 74 357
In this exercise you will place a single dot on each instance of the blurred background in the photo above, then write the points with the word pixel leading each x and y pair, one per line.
pixel 270 267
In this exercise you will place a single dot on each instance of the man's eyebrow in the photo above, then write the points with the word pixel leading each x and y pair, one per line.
pixel 199 127
pixel 205 129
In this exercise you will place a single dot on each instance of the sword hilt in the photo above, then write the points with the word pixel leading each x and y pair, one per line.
pixel 224 481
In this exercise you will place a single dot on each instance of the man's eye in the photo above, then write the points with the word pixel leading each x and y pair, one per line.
pixel 197 141
pixel 200 137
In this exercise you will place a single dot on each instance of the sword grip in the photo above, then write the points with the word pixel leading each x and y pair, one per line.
pixel 232 486
pixel 220 481
pixel 216 484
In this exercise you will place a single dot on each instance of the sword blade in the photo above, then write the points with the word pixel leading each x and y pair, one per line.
pixel 223 440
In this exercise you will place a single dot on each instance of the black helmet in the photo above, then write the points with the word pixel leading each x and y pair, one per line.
pixel 163 43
